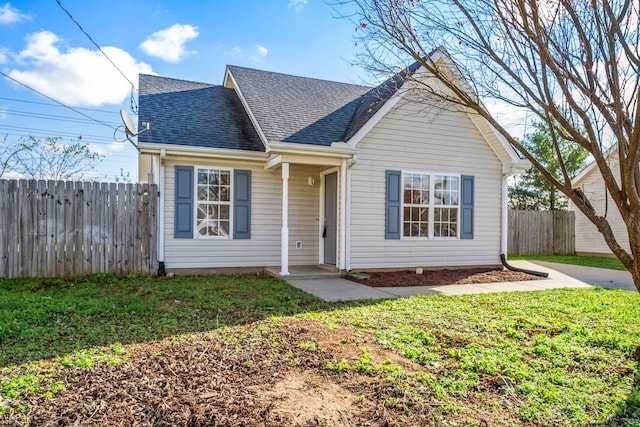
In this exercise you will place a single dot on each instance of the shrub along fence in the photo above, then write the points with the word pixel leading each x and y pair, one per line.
pixel 65 228
pixel 541 232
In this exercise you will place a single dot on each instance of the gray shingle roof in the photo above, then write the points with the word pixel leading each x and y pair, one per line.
pixel 198 114
pixel 287 108
pixel 298 109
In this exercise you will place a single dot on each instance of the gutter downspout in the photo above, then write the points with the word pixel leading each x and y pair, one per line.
pixel 161 186
pixel 505 230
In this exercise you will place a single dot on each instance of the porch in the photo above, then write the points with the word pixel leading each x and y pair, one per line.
pixel 314 204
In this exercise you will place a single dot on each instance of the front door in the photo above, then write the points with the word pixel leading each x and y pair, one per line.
pixel 330 233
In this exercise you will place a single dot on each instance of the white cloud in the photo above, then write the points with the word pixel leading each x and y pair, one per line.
pixel 169 44
pixel 261 52
pixel 235 51
pixel 108 149
pixel 11 15
pixel 78 76
pixel 297 4
pixel 4 55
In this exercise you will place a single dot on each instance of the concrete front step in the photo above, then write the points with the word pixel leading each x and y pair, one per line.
pixel 311 272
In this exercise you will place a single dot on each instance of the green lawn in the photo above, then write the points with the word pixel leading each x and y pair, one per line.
pixel 589 261
pixel 561 357
pixel 49 317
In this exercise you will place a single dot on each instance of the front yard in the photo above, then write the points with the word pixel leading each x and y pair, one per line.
pixel 250 350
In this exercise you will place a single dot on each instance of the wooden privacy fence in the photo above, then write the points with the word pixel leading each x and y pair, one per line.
pixel 541 232
pixel 64 228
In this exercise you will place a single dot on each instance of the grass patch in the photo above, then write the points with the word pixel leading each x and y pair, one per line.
pixel 553 358
pixel 566 354
pixel 43 318
pixel 589 261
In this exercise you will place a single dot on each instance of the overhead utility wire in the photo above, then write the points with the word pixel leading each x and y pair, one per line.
pixel 53 105
pixel 57 102
pixel 48 132
pixel 51 117
pixel 133 87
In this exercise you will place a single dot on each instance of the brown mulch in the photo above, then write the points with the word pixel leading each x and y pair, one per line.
pixel 258 375
pixel 443 277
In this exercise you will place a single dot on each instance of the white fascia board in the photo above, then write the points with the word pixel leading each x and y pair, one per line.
pixel 230 82
pixel 338 150
pixel 489 132
pixel 611 152
pixel 207 152
pixel 388 105
pixel 439 54
pixel 584 173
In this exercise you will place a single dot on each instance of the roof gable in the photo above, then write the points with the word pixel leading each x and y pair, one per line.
pixel 298 109
pixel 196 114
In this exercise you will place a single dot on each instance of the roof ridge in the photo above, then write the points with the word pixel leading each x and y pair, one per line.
pixel 157 76
pixel 298 77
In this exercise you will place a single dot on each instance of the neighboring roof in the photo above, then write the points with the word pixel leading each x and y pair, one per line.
pixel 299 109
pixel 610 154
pixel 197 114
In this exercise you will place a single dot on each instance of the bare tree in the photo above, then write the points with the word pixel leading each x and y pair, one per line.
pixel 48 158
pixel 573 65
pixel 9 154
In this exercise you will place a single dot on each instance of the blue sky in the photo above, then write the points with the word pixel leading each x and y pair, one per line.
pixel 42 47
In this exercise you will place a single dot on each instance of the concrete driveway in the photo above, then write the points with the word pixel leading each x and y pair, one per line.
pixel 610 279
pixel 560 276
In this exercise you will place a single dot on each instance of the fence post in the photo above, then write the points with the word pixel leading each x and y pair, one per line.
pixel 541 232
pixel 64 228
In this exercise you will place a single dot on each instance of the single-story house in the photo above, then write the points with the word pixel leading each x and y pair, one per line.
pixel 589 241
pixel 270 170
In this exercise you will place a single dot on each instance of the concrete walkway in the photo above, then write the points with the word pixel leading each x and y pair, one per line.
pixel 560 276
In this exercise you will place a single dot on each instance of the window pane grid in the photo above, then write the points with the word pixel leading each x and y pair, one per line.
pixel 445 222
pixel 213 202
pixel 430 201
pixel 416 193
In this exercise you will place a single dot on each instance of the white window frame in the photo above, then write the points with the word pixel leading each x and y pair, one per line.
pixel 196 202
pixel 431 206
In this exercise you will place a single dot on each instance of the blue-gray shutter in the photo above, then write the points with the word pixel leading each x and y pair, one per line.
pixel 183 220
pixel 242 204
pixel 466 228
pixel 393 205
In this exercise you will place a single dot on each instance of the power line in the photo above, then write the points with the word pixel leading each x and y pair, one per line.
pixel 47 132
pixel 54 117
pixel 57 102
pixel 57 106
pixel 100 49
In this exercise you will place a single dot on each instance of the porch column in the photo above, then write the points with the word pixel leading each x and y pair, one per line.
pixel 343 216
pixel 284 244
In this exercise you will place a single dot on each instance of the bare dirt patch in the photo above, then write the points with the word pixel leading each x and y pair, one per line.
pixel 443 277
pixel 264 374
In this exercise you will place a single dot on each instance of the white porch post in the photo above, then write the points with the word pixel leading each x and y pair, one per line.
pixel 284 244
pixel 343 215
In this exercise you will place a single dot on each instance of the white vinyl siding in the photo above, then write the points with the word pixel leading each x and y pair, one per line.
pixel 588 239
pixel 263 248
pixel 414 137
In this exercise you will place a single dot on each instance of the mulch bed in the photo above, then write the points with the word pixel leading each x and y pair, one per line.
pixel 443 277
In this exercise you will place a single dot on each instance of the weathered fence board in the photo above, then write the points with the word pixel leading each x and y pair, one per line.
pixel 541 232
pixel 57 228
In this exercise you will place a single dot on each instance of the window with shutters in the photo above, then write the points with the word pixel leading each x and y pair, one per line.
pixel 213 202
pixel 430 205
